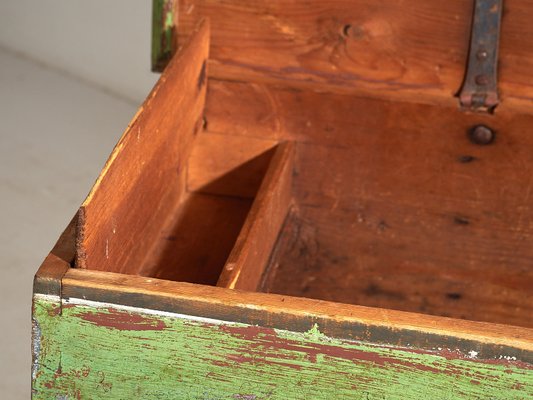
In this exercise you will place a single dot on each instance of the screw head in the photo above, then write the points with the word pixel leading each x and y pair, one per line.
pixel 481 134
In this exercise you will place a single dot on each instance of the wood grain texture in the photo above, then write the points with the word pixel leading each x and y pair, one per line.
pixel 407 50
pixel 337 320
pixel 397 207
pixel 223 178
pixel 228 165
pixel 197 239
pixel 144 176
pixel 390 206
pixel 65 247
pixel 135 353
pixel 251 254
pixel 48 278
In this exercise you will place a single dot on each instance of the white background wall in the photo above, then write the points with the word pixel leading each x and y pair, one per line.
pixel 106 42
pixel 72 74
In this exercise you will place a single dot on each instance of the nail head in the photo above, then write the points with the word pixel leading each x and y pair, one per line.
pixel 482 55
pixel 481 134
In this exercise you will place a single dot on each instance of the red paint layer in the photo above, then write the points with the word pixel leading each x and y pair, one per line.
pixel 264 346
pixel 122 320
pixel 257 360
pixel 266 339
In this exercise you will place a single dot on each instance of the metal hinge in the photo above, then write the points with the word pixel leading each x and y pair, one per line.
pixel 480 87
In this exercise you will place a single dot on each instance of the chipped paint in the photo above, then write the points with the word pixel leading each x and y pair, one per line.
pixel 122 320
pixel 73 302
pixel 315 332
pixel 233 282
pixel 36 347
pixel 162 33
pixel 96 350
pixel 472 354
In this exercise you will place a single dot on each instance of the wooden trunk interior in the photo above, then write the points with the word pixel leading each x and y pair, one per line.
pixel 393 205
pixel 258 186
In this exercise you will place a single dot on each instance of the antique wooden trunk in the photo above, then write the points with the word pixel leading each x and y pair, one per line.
pixel 318 200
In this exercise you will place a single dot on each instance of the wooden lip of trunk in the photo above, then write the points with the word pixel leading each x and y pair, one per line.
pixel 227 183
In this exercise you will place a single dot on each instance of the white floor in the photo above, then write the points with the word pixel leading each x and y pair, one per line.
pixel 55 135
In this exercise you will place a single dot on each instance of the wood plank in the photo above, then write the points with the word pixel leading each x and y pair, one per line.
pixel 198 238
pixel 251 254
pixel 392 270
pixel 223 177
pixel 65 247
pixel 144 177
pixel 397 207
pixel 274 113
pixel 300 314
pixel 410 50
pixel 228 165
pixel 47 279
pixel 134 352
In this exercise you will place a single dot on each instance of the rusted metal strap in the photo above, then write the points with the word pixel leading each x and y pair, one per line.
pixel 480 88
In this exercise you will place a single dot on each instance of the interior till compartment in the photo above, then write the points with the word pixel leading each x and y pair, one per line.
pixel 394 206
pixel 337 197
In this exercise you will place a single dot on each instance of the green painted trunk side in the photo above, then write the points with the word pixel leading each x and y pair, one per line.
pixel 162 33
pixel 88 350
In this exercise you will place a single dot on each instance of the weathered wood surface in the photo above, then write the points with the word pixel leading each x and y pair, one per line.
pixel 395 206
pixel 164 33
pixel 250 257
pixel 222 219
pixel 198 238
pixel 197 347
pixel 410 50
pixel 295 313
pixel 228 165
pixel 144 177
pixel 48 278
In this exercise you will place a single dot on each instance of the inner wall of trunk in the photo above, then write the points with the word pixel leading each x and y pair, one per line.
pixel 196 241
pixel 396 205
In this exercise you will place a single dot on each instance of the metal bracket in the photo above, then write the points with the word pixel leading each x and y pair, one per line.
pixel 480 87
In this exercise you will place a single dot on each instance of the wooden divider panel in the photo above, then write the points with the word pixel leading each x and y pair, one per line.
pixel 251 254
pixel 144 176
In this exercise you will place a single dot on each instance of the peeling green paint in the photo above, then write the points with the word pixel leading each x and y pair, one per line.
pixel 162 33
pixel 315 332
pixel 101 351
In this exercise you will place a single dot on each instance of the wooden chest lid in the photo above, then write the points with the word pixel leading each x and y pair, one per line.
pixel 409 50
